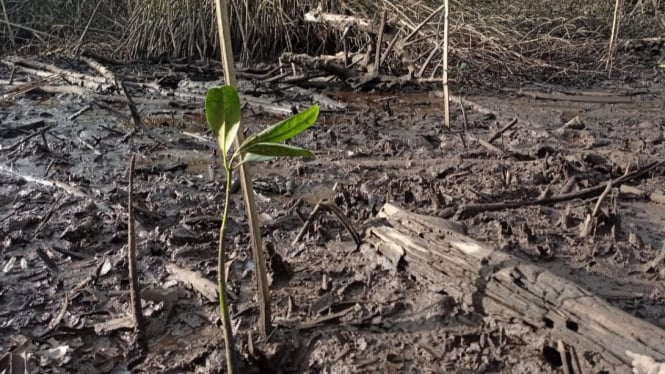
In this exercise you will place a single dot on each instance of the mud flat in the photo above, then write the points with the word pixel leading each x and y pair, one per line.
pixel 569 181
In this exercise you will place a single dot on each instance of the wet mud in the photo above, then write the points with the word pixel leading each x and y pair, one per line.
pixel 336 309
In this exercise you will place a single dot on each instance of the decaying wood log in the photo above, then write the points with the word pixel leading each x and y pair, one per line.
pixel 326 64
pixel 47 71
pixel 343 22
pixel 504 287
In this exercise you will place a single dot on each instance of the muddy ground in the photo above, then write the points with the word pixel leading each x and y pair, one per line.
pixel 63 229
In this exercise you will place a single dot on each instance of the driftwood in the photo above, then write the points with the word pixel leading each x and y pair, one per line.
pixel 344 22
pixel 504 287
pixel 42 70
pixel 327 64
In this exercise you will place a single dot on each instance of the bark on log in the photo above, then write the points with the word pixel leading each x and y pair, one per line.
pixel 507 288
pixel 47 71
pixel 343 22
pixel 326 64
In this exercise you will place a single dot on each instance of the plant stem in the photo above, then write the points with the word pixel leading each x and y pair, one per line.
pixel 263 290
pixel 221 281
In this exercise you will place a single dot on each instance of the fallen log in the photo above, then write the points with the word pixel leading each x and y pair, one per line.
pixel 343 22
pixel 328 65
pixel 506 288
pixel 47 71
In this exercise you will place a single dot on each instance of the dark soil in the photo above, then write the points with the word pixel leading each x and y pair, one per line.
pixel 336 309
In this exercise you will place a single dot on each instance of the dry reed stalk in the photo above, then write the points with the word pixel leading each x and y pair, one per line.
pixel 10 32
pixel 618 7
pixel 502 38
pixel 446 99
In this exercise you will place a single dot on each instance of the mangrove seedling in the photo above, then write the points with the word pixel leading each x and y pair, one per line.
pixel 223 116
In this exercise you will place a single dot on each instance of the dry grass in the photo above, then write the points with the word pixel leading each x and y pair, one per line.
pixel 262 29
pixel 504 38
pixel 60 22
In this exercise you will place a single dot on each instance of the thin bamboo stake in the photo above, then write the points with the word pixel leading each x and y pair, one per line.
pixel 263 295
pixel 446 102
pixel 618 6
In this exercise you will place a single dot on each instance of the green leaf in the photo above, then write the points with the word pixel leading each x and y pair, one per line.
pixel 223 115
pixel 253 157
pixel 277 150
pixel 288 128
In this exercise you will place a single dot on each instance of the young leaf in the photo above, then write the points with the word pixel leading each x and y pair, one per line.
pixel 288 128
pixel 278 150
pixel 253 157
pixel 223 115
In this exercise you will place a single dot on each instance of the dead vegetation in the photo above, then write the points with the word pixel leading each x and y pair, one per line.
pixel 503 38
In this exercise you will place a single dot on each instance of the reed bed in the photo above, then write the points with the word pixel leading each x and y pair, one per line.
pixel 502 37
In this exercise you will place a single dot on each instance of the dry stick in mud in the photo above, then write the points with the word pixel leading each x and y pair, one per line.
pixel 500 132
pixel 465 130
pixel 589 222
pixel 494 149
pixel 47 217
pixel 136 118
pixel 331 207
pixel 470 210
pixel 379 41
pixel 79 112
pixel 134 288
pixel 600 99
pixel 446 96
pixel 490 147
pixel 11 75
pixel 504 287
pixel 26 138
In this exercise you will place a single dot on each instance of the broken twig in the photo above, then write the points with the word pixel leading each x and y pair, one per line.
pixel 325 204
pixel 134 290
